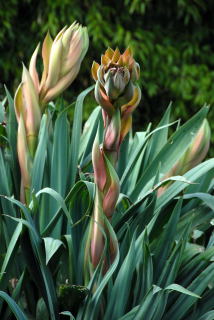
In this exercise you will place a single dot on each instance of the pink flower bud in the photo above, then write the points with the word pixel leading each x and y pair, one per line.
pixel 112 133
pixel 27 105
pixel 111 191
pixel 194 155
pixel 98 165
pixel 62 60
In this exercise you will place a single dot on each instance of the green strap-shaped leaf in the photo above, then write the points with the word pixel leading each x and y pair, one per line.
pixel 68 313
pixel 7 207
pixel 122 285
pixel 137 148
pixel 192 175
pixel 88 135
pixel 178 288
pixel 208 199
pixel 183 304
pixel 15 294
pixel 59 168
pixel 35 246
pixel 19 314
pixel 51 247
pixel 208 316
pixel 171 152
pixel 78 188
pixel 40 156
pixel 166 240
pixel 159 138
pixel 12 138
pixel 9 258
pixel 76 133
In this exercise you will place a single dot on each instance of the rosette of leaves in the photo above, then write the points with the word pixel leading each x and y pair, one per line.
pixel 164 266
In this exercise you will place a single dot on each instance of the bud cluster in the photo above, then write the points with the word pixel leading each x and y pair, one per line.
pixel 116 92
pixel 62 58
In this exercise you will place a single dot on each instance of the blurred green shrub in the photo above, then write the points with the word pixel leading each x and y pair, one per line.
pixel 170 39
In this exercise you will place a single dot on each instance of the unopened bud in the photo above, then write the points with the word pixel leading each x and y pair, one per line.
pixel 115 86
pixel 23 154
pixel 27 105
pixel 62 60
pixel 112 191
pixel 194 155
pixel 98 165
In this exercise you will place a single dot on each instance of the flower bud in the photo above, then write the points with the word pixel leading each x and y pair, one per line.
pixel 62 59
pixel 115 86
pixel 194 155
pixel 23 154
pixel 98 165
pixel 106 179
pixel 27 105
pixel 111 191
pixel 114 75
pixel 112 134
pixel 96 235
pixel 198 149
pixel 116 79
pixel 196 152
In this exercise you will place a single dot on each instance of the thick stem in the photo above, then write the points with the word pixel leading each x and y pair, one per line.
pixel 111 142
pixel 107 188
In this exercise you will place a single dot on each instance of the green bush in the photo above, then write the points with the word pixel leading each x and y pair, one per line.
pixel 165 257
pixel 172 40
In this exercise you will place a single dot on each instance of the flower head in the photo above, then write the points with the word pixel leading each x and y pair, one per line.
pixel 115 87
pixel 115 79
pixel 62 59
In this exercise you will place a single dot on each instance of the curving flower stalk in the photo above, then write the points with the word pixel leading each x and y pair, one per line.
pixel 61 63
pixel 194 155
pixel 118 95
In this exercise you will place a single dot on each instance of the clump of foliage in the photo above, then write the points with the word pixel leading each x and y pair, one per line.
pixel 172 41
pixel 93 224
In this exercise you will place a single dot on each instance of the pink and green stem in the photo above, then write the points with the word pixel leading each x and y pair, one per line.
pixel 104 159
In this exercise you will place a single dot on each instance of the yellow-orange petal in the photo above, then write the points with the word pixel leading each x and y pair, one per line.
pixel 94 68
pixel 109 53
pixel 104 60
pixel 126 123
pixel 120 61
pixel 127 55
pixel 116 56
pixel 133 103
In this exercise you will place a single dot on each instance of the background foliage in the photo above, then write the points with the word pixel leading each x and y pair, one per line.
pixel 172 41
